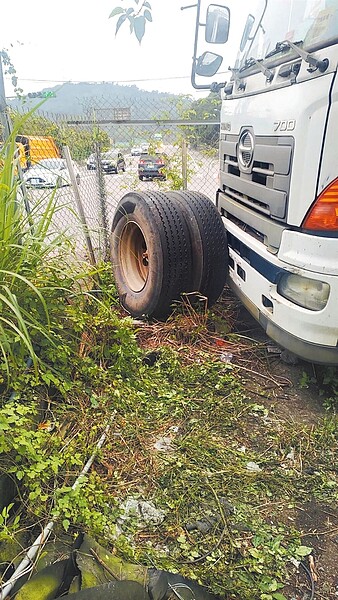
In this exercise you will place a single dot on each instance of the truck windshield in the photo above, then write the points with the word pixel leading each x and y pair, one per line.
pixel 313 24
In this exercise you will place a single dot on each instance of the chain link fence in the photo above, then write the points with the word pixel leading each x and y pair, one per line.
pixel 182 147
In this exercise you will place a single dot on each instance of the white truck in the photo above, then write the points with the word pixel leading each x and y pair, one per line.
pixel 274 234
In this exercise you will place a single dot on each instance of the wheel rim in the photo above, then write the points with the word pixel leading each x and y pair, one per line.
pixel 134 259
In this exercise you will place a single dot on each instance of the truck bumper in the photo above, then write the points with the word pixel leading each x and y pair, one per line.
pixel 253 275
pixel 315 353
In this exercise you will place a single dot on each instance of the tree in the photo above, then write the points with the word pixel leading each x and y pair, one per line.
pixel 136 16
pixel 204 109
pixel 80 141
pixel 10 70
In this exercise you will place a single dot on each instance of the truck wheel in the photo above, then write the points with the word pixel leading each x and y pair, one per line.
pixel 150 253
pixel 208 242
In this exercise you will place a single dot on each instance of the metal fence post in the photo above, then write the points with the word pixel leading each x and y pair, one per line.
pixel 79 205
pixel 102 201
pixel 184 164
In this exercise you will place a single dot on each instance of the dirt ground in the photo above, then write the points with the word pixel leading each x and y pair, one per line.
pixel 317 522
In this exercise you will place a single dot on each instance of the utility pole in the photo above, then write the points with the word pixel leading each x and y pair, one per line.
pixel 6 128
pixel 3 105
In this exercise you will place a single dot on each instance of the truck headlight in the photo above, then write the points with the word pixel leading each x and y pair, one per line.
pixel 308 293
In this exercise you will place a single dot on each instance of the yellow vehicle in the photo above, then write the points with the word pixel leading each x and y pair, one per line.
pixel 32 149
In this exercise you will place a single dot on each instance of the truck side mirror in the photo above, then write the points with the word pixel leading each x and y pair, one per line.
pixel 217 24
pixel 208 64
pixel 247 31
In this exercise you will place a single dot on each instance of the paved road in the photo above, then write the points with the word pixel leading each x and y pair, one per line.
pixel 203 178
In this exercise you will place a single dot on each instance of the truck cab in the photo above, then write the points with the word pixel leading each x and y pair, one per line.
pixel 278 183
pixel 32 149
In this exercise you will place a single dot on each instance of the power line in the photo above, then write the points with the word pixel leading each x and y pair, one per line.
pixel 104 81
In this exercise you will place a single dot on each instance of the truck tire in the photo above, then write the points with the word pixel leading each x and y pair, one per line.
pixel 150 253
pixel 208 242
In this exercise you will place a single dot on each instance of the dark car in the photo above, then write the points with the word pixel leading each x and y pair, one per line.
pixel 111 161
pixel 152 167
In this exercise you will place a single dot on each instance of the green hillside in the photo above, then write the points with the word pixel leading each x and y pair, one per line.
pixel 102 99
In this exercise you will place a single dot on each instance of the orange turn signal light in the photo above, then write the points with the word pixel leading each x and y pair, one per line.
pixel 324 212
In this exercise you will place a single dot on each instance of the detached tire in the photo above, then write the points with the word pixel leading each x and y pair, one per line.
pixel 150 253
pixel 208 242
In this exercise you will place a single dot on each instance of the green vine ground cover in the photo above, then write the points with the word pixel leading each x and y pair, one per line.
pixel 230 463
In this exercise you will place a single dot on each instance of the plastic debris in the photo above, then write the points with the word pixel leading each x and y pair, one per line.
pixel 209 520
pixel 146 513
pixel 92 572
pixel 253 467
pixel 274 350
pixel 164 444
pixel 291 455
pixel 45 584
pixel 174 428
pixel 151 358
pixel 226 357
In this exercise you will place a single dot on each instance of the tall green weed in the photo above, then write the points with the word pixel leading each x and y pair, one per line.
pixel 33 268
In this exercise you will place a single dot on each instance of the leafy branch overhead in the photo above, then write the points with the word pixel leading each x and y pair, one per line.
pixel 136 16
pixel 9 69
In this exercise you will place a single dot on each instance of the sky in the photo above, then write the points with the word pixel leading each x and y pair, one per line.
pixel 74 40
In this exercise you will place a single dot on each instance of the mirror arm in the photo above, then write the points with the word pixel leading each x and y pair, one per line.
pixel 195 85
pixel 216 87
pixel 190 6
pixel 197 25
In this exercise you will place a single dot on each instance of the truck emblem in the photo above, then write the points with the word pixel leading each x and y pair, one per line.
pixel 245 149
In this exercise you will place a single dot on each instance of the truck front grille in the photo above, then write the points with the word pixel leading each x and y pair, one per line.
pixel 265 188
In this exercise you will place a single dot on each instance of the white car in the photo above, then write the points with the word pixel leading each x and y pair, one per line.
pixel 91 162
pixel 49 173
pixel 136 151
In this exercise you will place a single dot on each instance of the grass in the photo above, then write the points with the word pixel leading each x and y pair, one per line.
pixel 232 463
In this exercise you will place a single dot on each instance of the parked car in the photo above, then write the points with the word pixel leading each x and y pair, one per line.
pixel 145 148
pixel 49 173
pixel 136 151
pixel 111 161
pixel 152 167
pixel 91 162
